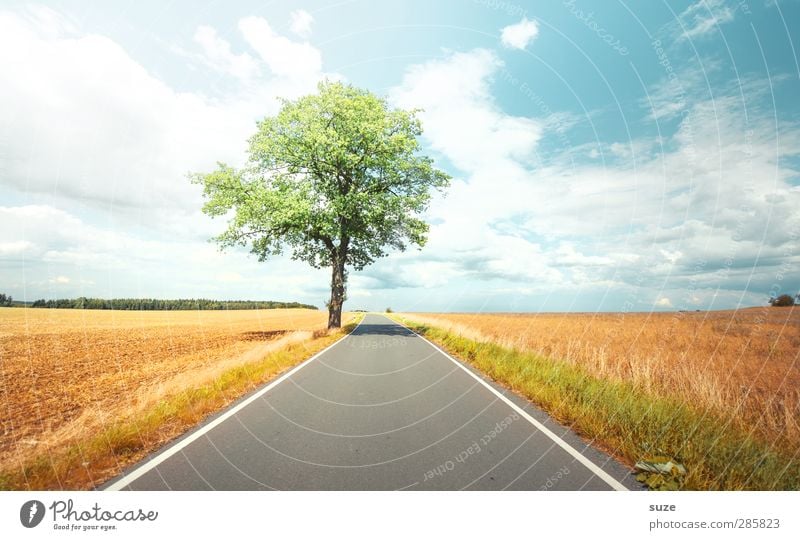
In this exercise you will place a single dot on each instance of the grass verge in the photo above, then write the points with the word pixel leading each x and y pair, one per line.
pixel 88 463
pixel 628 422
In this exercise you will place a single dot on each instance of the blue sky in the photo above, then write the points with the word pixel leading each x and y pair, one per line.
pixel 606 155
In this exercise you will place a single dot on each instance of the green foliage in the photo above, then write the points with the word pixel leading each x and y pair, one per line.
pixel 6 300
pixel 389 310
pixel 153 304
pixel 784 300
pixel 334 169
pixel 336 177
pixel 660 473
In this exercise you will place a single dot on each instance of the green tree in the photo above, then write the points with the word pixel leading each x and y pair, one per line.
pixel 784 300
pixel 336 177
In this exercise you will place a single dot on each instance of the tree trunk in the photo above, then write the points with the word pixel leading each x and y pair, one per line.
pixel 337 293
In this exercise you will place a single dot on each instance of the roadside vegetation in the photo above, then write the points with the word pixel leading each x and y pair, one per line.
pixel 784 300
pixel 80 421
pixel 156 304
pixel 337 178
pixel 646 401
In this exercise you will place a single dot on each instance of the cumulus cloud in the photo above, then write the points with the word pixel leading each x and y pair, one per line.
pixel 219 56
pixel 704 213
pixel 300 22
pixel 663 302
pixel 463 122
pixel 460 116
pixel 14 247
pixel 93 125
pixel 80 258
pixel 283 56
pixel 102 146
pixel 519 35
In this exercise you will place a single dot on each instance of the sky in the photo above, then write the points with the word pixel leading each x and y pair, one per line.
pixel 606 155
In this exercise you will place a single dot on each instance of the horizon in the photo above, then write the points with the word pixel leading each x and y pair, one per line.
pixel 356 309
pixel 604 159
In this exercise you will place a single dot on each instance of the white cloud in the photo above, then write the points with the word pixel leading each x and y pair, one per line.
pixel 459 115
pixel 664 302
pixel 567 255
pixel 14 247
pixel 672 257
pixel 462 121
pixel 688 212
pixel 518 36
pixel 355 292
pixel 60 238
pixel 108 262
pixel 219 56
pixel 48 21
pixel 672 96
pixel 283 56
pixel 107 145
pixel 714 207
pixel 229 277
pixel 300 22
pixel 92 124
pixel 703 17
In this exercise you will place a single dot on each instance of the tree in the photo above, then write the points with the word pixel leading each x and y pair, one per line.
pixel 150 304
pixel 336 177
pixel 784 300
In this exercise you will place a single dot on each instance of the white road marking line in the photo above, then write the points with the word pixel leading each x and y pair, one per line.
pixel 600 473
pixel 171 451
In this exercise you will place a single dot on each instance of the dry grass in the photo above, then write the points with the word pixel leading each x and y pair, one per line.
pixel 743 365
pixel 66 375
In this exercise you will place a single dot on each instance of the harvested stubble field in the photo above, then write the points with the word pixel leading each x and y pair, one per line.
pixel 65 375
pixel 742 367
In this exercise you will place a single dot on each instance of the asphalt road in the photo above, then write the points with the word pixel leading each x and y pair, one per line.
pixel 382 409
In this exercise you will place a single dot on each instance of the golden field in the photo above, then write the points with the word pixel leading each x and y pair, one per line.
pixel 65 375
pixel 744 365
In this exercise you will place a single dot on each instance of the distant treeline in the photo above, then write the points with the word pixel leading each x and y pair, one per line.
pixel 153 304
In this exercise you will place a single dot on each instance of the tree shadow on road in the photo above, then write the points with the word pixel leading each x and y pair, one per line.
pixel 382 330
